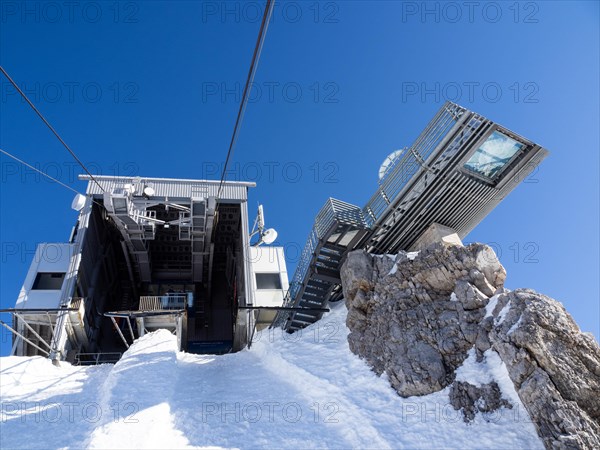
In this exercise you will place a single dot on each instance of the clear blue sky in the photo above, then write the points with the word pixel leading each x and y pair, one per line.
pixel 152 88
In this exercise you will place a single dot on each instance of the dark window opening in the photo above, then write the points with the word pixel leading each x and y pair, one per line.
pixel 49 281
pixel 268 281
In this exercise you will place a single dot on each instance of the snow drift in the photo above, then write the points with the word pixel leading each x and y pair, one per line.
pixel 288 391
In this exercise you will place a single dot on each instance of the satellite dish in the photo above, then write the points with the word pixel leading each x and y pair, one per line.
pixel 148 191
pixel 130 188
pixel 269 236
pixel 78 202
pixel 387 162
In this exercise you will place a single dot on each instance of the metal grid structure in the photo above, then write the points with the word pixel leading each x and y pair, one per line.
pixel 429 182
pixel 403 168
pixel 233 191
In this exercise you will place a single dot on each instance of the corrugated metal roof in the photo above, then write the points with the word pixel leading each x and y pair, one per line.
pixel 172 187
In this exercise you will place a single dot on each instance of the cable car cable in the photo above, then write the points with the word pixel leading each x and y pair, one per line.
pixel 251 72
pixel 45 174
pixel 37 111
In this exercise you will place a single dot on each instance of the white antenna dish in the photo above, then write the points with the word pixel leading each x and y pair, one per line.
pixel 78 202
pixel 387 162
pixel 148 191
pixel 269 236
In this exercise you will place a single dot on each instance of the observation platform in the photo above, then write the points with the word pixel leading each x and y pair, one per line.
pixel 455 173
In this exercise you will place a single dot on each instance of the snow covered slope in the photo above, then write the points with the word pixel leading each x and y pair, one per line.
pixel 288 391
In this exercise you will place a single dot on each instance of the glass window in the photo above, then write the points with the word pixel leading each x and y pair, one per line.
pixel 120 205
pixel 48 281
pixel 268 281
pixel 495 153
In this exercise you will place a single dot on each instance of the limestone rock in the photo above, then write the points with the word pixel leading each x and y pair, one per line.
pixel 416 320
pixel 472 399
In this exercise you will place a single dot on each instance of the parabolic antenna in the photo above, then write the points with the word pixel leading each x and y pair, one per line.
pixel 148 191
pixel 78 202
pixel 269 236
pixel 388 162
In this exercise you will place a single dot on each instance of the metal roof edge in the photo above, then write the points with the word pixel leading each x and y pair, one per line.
pixel 166 180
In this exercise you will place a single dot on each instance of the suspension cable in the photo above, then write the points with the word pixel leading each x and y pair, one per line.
pixel 251 72
pixel 37 111
pixel 44 174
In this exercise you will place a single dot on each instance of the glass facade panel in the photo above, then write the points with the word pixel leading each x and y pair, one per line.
pixel 495 153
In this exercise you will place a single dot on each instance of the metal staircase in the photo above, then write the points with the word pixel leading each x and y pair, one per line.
pixel 338 227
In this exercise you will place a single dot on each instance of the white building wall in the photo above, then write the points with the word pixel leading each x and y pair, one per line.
pixel 53 258
pixel 269 260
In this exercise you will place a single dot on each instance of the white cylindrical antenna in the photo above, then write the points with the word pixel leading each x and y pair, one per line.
pixel 260 218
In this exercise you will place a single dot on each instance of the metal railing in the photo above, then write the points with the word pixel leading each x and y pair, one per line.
pixel 333 212
pixel 408 163
pixel 83 359
pixel 160 302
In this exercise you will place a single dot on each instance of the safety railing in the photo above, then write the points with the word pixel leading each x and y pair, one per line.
pixel 167 301
pixel 409 162
pixel 332 213
pixel 86 359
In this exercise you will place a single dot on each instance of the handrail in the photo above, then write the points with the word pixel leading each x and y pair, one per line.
pixel 408 164
pixel 159 302
pixel 95 358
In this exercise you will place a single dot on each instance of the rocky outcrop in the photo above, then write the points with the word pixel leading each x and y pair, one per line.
pixel 471 399
pixel 417 317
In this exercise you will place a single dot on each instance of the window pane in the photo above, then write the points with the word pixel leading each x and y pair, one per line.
pixel 120 205
pixel 268 281
pixel 48 281
pixel 497 151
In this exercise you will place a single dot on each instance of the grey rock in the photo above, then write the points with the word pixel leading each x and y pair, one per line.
pixel 471 399
pixel 554 366
pixel 417 323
